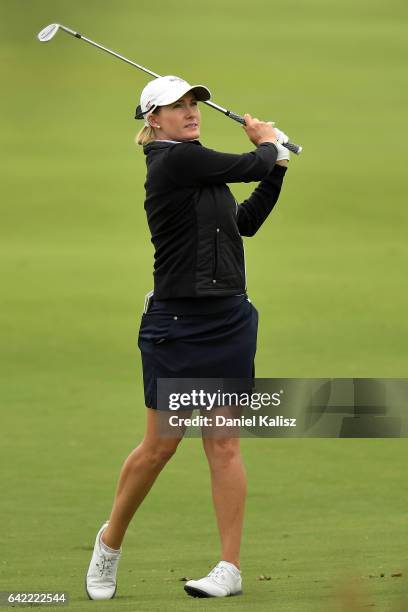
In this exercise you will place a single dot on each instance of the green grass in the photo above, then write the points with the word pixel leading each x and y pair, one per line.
pixel 327 273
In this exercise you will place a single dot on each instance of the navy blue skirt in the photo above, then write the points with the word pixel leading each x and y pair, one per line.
pixel 197 338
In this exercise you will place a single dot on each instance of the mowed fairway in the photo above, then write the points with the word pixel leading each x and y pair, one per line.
pixel 326 520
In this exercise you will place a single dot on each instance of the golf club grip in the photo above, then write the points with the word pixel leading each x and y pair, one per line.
pixel 293 147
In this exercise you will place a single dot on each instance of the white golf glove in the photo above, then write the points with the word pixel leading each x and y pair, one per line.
pixel 283 152
pixel 281 136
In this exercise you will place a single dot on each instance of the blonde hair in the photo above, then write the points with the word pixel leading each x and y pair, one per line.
pixel 145 135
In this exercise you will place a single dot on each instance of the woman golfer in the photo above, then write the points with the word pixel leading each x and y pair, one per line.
pixel 199 322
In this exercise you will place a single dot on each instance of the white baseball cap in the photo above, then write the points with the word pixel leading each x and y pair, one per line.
pixel 166 90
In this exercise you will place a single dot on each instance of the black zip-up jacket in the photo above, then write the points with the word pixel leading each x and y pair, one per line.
pixel 195 222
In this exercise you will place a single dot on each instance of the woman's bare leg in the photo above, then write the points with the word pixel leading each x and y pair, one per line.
pixel 228 481
pixel 137 476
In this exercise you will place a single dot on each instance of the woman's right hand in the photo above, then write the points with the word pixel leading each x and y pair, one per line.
pixel 259 131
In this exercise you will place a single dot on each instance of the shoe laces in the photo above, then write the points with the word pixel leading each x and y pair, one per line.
pixel 105 566
pixel 217 572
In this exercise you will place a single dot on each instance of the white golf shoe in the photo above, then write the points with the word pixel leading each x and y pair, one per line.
pixel 222 581
pixel 101 576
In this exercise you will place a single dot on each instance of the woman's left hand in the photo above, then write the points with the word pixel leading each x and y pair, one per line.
pixel 283 155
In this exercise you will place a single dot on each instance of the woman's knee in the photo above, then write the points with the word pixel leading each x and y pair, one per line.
pixel 160 451
pixel 221 450
pixel 157 449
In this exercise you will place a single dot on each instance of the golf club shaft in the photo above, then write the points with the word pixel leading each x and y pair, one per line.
pixel 293 147
pixel 95 44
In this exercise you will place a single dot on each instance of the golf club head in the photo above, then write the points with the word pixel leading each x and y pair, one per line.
pixel 48 32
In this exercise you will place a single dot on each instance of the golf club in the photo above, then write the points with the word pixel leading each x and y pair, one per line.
pixel 51 30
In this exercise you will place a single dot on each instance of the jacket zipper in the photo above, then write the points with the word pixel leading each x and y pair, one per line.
pixel 216 254
pixel 243 247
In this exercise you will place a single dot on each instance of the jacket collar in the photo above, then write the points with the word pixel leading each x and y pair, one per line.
pixel 164 144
